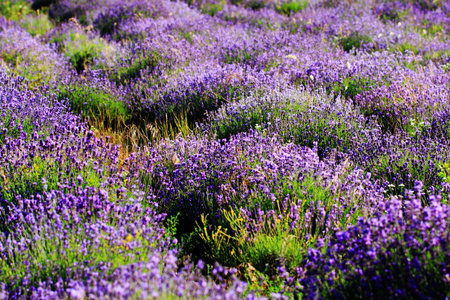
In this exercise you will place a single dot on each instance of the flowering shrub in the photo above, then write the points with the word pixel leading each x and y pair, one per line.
pixel 224 149
pixel 404 252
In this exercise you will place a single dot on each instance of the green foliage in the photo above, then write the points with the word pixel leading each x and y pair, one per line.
pixel 354 40
pixel 352 86
pixel 348 87
pixel 82 49
pixel 37 25
pixel 277 247
pixel 98 105
pixel 217 242
pixel 247 57
pixel 58 40
pixel 291 6
pixel 179 125
pixel 14 58
pixel 212 9
pixel 444 174
pixel 15 127
pixel 187 35
pixel 429 29
pixel 124 74
pixel 14 9
pixel 256 4
pixel 438 56
pixel 415 129
pixel 403 48
pixel 81 59
pixel 170 224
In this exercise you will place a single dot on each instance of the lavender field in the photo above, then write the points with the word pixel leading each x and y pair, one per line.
pixel 224 149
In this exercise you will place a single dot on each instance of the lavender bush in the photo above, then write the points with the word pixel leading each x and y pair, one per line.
pixel 224 149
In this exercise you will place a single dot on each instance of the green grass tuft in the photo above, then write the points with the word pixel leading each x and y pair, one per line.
pixel 98 105
pixel 292 6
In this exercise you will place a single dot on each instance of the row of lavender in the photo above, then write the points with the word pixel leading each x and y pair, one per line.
pixel 312 161
pixel 74 222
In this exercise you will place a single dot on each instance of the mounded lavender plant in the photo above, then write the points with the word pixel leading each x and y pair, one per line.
pixel 402 253
pixel 320 169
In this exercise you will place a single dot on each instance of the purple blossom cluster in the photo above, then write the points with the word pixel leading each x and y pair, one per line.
pixel 305 152
pixel 73 222
pixel 41 64
pixel 401 253
pixel 250 172
pixel 342 131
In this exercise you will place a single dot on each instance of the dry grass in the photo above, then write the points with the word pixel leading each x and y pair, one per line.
pixel 132 137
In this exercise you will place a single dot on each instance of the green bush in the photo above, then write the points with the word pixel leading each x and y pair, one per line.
pixel 403 48
pixel 354 41
pixel 14 9
pixel 82 49
pixel 98 105
pixel 352 86
pixel 36 25
pixel 124 74
pixel 292 6
pixel 256 4
pixel 212 9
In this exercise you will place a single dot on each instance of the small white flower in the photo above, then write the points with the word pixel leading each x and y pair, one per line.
pixel 292 56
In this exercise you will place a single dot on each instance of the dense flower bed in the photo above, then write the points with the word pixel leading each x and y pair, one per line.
pixel 224 149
